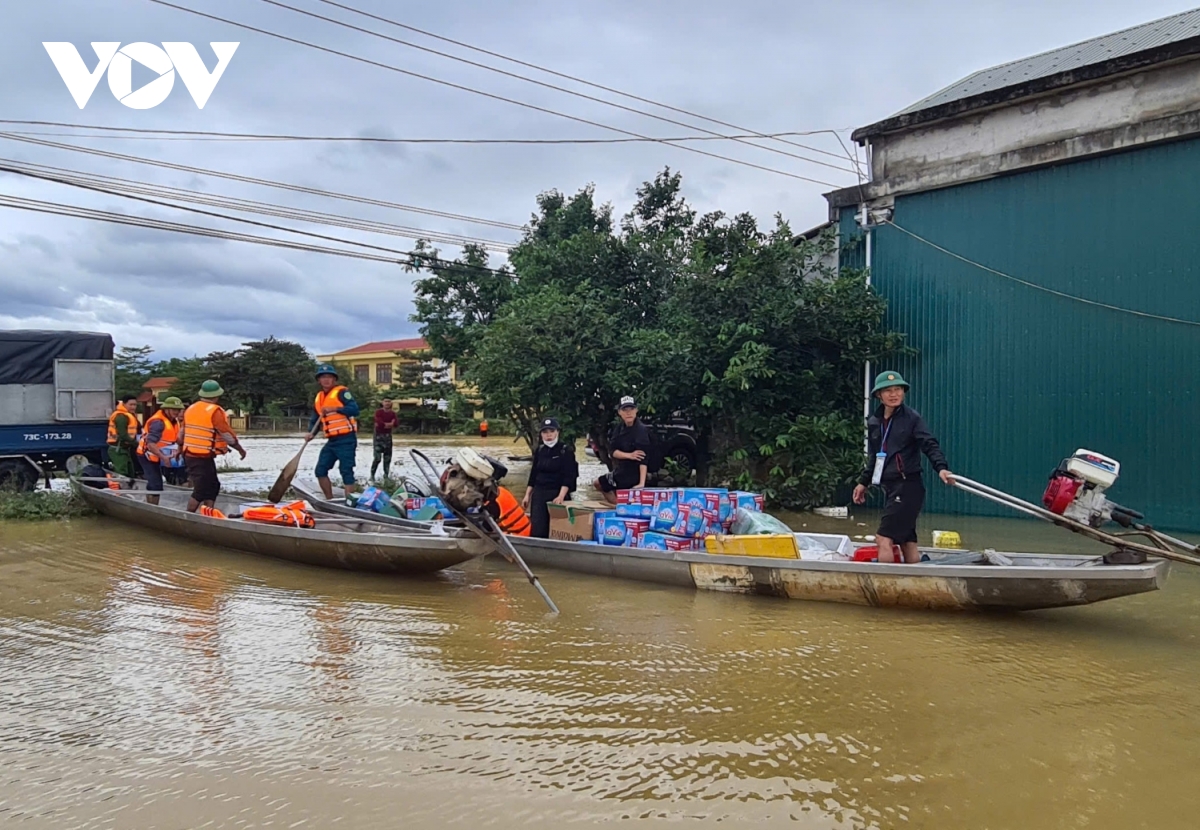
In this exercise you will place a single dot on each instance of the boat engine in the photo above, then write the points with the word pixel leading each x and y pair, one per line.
pixel 1077 486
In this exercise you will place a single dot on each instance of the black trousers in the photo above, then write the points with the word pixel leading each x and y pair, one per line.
pixel 539 514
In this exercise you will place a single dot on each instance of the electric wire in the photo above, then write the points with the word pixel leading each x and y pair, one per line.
pixel 527 79
pixel 211 135
pixel 474 91
pixel 295 188
pixel 65 175
pixel 1037 287
pixel 779 137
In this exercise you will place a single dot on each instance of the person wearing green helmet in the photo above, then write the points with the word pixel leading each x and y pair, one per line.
pixel 159 444
pixel 205 435
pixel 336 411
pixel 896 437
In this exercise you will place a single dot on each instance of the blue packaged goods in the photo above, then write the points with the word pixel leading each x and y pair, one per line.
pixel 415 505
pixel 666 515
pixel 650 540
pixel 373 499
pixel 612 529
pixel 748 501
pixel 701 499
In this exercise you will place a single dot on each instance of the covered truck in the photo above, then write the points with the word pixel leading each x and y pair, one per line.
pixel 56 393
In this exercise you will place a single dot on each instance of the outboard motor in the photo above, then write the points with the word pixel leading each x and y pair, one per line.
pixel 1077 486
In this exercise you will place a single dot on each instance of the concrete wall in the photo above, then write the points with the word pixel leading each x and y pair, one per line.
pixel 1158 104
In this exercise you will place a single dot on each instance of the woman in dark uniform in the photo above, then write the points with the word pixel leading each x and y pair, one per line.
pixel 896 437
pixel 552 477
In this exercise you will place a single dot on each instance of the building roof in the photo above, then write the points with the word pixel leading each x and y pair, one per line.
pixel 160 383
pixel 409 344
pixel 1128 49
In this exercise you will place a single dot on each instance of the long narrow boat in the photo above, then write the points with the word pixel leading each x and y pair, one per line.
pixel 364 545
pixel 955 580
pixel 951 579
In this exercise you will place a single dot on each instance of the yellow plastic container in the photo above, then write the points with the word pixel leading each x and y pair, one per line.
pixel 946 539
pixel 775 546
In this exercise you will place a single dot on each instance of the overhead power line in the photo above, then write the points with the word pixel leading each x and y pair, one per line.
pixel 123 186
pixel 779 137
pixel 1037 287
pixel 148 134
pixel 75 211
pixel 529 80
pixel 472 90
pixel 295 188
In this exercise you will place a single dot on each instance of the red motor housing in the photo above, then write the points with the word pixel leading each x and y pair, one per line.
pixel 1060 492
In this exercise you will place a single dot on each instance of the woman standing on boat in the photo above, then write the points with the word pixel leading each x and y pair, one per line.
pixel 552 477
pixel 896 437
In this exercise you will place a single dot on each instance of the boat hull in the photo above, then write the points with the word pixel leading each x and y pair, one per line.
pixel 386 550
pixel 1034 581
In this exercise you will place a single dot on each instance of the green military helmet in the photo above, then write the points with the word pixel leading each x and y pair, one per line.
pixel 211 389
pixel 886 380
pixel 172 403
pixel 326 369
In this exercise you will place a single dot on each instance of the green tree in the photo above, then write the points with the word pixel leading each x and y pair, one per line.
pixel 459 299
pixel 750 335
pixel 132 368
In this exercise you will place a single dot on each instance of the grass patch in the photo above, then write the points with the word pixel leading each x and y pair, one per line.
pixel 42 505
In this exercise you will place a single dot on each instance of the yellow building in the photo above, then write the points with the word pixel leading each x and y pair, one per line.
pixel 376 363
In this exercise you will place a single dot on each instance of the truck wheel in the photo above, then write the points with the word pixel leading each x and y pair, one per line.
pixel 683 457
pixel 17 475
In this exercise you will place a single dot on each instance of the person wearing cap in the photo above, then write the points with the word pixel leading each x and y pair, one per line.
pixel 158 444
pixel 551 478
pixel 896 437
pixel 336 411
pixel 205 435
pixel 628 446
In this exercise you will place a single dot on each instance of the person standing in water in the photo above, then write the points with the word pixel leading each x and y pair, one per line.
pixel 896 437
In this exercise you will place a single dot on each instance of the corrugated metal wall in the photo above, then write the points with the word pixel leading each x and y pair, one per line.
pixel 1012 379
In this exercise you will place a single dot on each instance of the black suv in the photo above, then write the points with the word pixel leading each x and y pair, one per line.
pixel 675 436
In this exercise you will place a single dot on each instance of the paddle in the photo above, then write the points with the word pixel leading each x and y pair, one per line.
pixel 506 549
pixel 289 470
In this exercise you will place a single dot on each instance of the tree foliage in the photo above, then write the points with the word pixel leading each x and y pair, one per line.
pixel 752 335
pixel 132 368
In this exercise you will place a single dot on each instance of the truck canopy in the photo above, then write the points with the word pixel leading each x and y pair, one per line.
pixel 27 356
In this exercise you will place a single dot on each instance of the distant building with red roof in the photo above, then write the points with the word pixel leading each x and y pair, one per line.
pixel 376 362
pixel 156 389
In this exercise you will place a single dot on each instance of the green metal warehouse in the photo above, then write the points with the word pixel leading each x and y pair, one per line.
pixel 1035 229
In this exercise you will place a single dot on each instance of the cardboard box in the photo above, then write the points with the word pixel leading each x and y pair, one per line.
pixel 652 540
pixel 575 521
pixel 612 529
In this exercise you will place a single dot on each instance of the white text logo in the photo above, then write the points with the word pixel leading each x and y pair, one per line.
pixel 118 60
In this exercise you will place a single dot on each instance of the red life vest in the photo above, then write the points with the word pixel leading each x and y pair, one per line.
pixel 169 434
pixel 290 515
pixel 513 519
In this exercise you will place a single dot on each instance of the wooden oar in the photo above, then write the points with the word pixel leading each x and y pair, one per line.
pixel 504 547
pixel 289 470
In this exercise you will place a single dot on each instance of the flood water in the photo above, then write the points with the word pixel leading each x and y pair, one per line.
pixel 147 681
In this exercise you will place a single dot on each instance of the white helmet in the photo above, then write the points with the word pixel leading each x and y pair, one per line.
pixel 474 464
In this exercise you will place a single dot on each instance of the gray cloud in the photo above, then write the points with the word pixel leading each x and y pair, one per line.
pixel 769 65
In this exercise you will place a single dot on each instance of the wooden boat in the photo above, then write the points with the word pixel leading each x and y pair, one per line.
pixel 364 545
pixel 1032 581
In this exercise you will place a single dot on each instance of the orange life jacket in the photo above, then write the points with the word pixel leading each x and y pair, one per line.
pixel 211 512
pixel 513 519
pixel 114 483
pixel 200 437
pixel 334 423
pixel 169 434
pixel 292 515
pixel 131 424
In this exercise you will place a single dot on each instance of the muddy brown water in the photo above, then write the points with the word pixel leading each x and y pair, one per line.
pixel 147 681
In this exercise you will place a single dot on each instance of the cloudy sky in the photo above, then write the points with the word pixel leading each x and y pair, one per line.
pixel 767 66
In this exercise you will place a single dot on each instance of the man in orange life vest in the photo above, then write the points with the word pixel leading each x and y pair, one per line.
pixel 337 412
pixel 122 436
pixel 158 444
pixel 206 434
